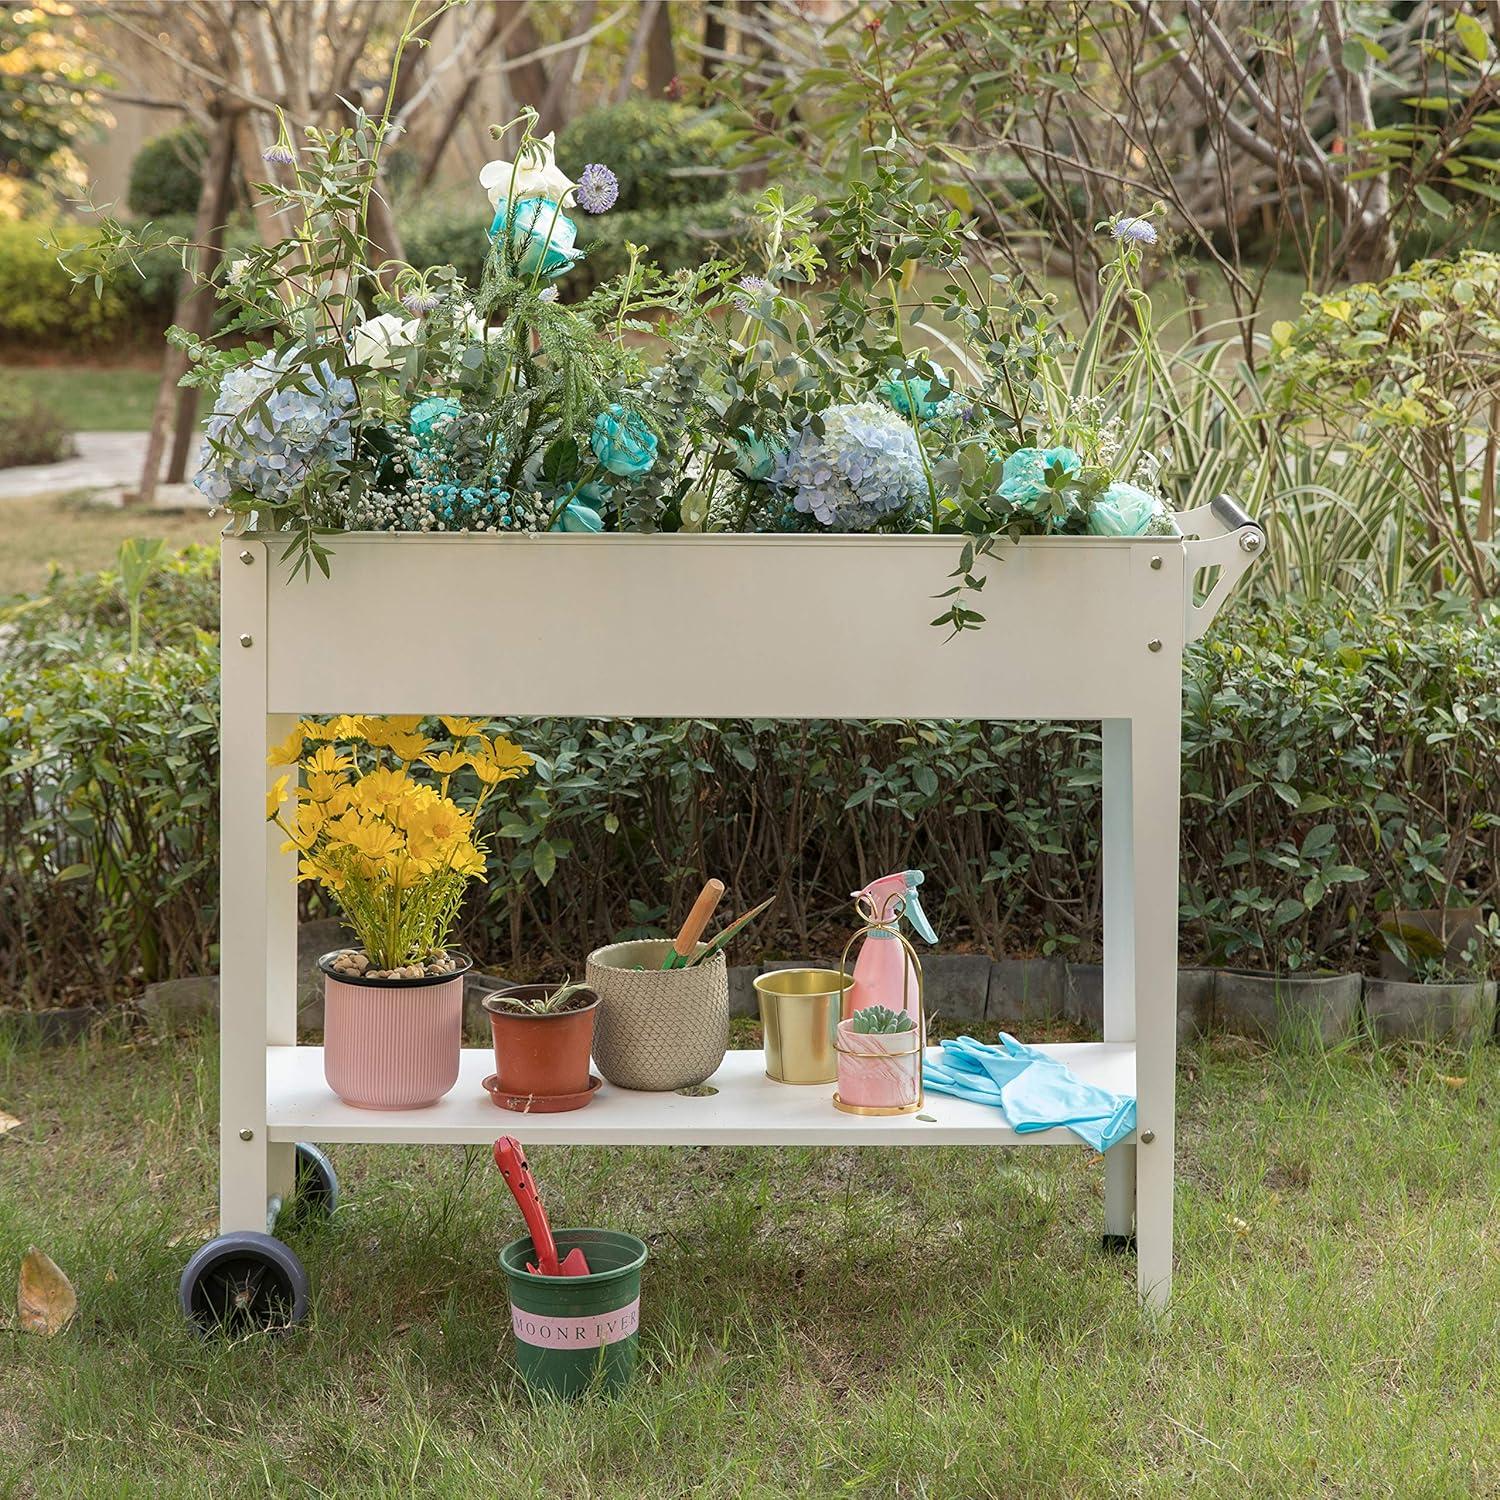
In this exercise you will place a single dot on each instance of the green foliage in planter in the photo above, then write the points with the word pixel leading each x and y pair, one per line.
pixel 166 176
pixel 31 432
pixel 881 1020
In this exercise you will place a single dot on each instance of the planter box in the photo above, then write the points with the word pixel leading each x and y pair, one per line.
pixel 1288 1009
pixel 1083 1004
pixel 1403 1009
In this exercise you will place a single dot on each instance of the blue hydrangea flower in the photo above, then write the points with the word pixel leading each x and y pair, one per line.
pixel 622 442
pixel 1023 479
pixel 544 237
pixel 863 466
pixel 269 456
pixel 928 395
pixel 598 188
pixel 1124 510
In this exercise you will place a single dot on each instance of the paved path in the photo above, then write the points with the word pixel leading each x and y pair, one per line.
pixel 106 461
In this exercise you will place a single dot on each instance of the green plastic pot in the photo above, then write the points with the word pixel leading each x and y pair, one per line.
pixel 577 1333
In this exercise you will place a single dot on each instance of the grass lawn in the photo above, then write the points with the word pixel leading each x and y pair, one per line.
pixel 81 537
pixel 93 397
pixel 882 1323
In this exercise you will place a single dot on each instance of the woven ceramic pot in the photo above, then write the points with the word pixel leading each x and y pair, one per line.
pixel 391 1043
pixel 658 1028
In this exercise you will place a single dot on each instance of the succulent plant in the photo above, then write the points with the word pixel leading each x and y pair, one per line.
pixel 548 1004
pixel 881 1019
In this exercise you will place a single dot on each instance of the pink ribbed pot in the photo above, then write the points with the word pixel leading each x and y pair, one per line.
pixel 391 1043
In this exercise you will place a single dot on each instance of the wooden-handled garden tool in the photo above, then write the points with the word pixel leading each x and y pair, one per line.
pixel 680 954
pixel 732 931
pixel 511 1160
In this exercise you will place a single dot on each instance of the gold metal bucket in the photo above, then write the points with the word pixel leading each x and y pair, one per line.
pixel 799 1014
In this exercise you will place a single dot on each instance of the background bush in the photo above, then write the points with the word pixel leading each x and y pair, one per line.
pixel 1351 763
pixel 40 307
pixel 31 432
pixel 166 176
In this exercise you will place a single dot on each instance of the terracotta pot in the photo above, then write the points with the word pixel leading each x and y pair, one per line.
pixel 391 1043
pixel 542 1055
pixel 879 1070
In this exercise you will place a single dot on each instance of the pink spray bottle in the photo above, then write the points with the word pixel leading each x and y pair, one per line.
pixel 884 973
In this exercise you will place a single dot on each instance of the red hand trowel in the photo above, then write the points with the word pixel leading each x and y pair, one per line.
pixel 511 1160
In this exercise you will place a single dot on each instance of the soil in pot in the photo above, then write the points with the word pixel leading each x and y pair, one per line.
pixel 391 1042
pixel 1288 1009
pixel 1403 1009
pixel 541 1054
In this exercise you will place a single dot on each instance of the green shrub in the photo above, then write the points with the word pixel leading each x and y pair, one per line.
pixel 30 431
pixel 662 154
pixel 166 176
pixel 39 306
pixel 1335 764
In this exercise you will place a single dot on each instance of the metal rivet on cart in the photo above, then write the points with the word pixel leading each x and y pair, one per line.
pixel 1147 1136
pixel 1156 562
pixel 247 557
pixel 247 1135
pixel 1151 645
pixel 245 640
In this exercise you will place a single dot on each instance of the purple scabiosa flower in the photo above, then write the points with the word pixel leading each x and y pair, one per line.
pixel 1134 231
pixel 419 303
pixel 279 155
pixel 752 289
pixel 598 188
pixel 547 294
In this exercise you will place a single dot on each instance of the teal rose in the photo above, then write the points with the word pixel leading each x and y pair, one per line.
pixel 581 513
pixel 1024 476
pixel 622 442
pixel 432 414
pixel 544 237
pixel 1124 510
pixel 917 395
pixel 754 456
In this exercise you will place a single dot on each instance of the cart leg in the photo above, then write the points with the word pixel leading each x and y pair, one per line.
pixel 1119 960
pixel 1141 791
pixel 258 914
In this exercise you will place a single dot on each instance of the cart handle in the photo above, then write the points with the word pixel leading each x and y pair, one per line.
pixel 1224 535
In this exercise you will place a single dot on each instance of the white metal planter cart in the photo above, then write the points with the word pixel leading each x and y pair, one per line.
pixel 721 626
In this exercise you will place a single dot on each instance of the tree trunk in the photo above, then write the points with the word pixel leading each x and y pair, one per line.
pixel 714 38
pixel 528 81
pixel 661 58
pixel 176 408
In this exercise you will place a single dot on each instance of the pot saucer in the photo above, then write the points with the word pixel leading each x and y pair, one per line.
pixel 539 1104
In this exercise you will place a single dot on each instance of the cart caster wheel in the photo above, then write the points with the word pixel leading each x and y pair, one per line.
pixel 315 1184
pixel 243 1283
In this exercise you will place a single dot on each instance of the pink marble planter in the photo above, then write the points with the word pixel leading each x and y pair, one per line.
pixel 879 1070
pixel 392 1046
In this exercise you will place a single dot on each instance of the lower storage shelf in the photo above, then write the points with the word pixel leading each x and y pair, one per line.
pixel 746 1109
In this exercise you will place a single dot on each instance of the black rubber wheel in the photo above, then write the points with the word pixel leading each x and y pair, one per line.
pixel 243 1283
pixel 315 1185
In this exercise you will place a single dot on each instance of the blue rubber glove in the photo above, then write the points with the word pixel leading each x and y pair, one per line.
pixel 1036 1091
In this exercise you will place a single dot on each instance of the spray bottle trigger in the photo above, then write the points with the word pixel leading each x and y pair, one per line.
pixel 918 918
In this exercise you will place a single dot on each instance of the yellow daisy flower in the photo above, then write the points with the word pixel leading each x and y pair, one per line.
pixel 462 729
pixel 289 751
pixel 445 762
pixel 276 796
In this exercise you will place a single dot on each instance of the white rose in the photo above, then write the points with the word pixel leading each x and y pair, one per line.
pixel 534 175
pixel 382 342
pixel 472 328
